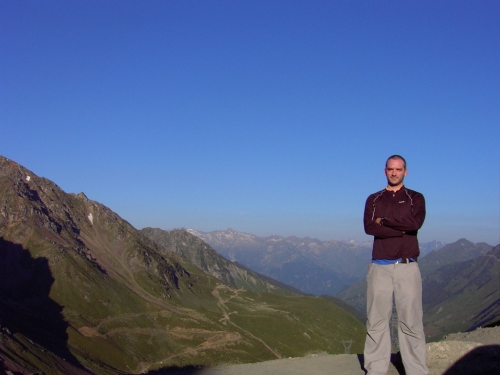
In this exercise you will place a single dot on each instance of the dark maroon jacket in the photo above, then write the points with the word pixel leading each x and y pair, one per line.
pixel 402 211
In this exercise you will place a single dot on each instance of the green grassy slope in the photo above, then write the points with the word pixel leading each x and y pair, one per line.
pixel 82 291
pixel 463 296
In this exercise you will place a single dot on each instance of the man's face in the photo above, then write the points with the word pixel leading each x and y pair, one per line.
pixel 395 172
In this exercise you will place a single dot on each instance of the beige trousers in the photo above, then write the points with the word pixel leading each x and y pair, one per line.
pixel 405 283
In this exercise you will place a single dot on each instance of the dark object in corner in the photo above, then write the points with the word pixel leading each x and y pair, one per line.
pixel 483 360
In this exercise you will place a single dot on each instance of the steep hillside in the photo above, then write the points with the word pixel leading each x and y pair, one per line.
pixel 231 273
pixel 82 291
pixel 355 295
pixel 427 247
pixel 458 251
pixel 204 256
pixel 310 265
pixel 458 296
pixel 462 296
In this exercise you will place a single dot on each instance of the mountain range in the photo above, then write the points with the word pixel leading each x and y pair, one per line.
pixel 461 280
pixel 461 288
pixel 308 264
pixel 84 292
pixel 206 258
pixel 230 272
pixel 462 295
pixel 312 266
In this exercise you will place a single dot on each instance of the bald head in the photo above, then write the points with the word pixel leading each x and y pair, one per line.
pixel 396 157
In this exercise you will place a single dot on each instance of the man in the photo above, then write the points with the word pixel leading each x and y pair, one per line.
pixel 393 216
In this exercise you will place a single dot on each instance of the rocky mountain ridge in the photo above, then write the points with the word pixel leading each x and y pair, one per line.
pixel 82 291
pixel 308 264
pixel 206 258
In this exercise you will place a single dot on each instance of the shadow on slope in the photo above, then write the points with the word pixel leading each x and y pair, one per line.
pixel 483 360
pixel 25 305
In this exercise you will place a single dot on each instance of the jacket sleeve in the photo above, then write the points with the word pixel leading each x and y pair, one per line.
pixel 409 224
pixel 374 229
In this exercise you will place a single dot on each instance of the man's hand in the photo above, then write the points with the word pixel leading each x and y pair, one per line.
pixel 379 219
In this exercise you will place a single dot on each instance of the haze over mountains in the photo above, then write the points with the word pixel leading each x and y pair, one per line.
pixel 205 257
pixel 308 264
pixel 461 280
pixel 83 292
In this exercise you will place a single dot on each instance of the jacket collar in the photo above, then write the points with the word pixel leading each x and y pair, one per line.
pixel 394 192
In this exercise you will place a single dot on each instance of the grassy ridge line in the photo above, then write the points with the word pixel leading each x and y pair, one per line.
pixel 81 287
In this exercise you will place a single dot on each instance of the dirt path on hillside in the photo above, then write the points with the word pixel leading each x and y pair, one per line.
pixel 471 353
pixel 226 316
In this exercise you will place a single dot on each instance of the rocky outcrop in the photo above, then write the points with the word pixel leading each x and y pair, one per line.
pixel 83 291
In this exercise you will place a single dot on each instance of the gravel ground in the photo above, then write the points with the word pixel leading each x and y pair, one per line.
pixel 471 353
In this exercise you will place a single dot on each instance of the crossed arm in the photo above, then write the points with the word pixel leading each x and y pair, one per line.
pixel 385 227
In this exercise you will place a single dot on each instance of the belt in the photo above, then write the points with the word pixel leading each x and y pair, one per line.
pixel 405 261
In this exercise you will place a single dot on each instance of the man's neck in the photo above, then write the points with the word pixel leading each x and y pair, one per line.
pixel 394 188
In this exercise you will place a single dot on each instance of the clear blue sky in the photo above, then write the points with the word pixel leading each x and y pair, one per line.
pixel 269 117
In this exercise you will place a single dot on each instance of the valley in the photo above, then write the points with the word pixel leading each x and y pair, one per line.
pixel 84 292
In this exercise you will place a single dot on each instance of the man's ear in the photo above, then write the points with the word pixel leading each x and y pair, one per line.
pixel 406 172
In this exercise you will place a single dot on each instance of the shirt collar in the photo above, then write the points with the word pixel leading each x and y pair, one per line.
pixel 394 191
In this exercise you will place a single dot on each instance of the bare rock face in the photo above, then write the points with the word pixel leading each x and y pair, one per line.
pixel 82 291
pixel 35 212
